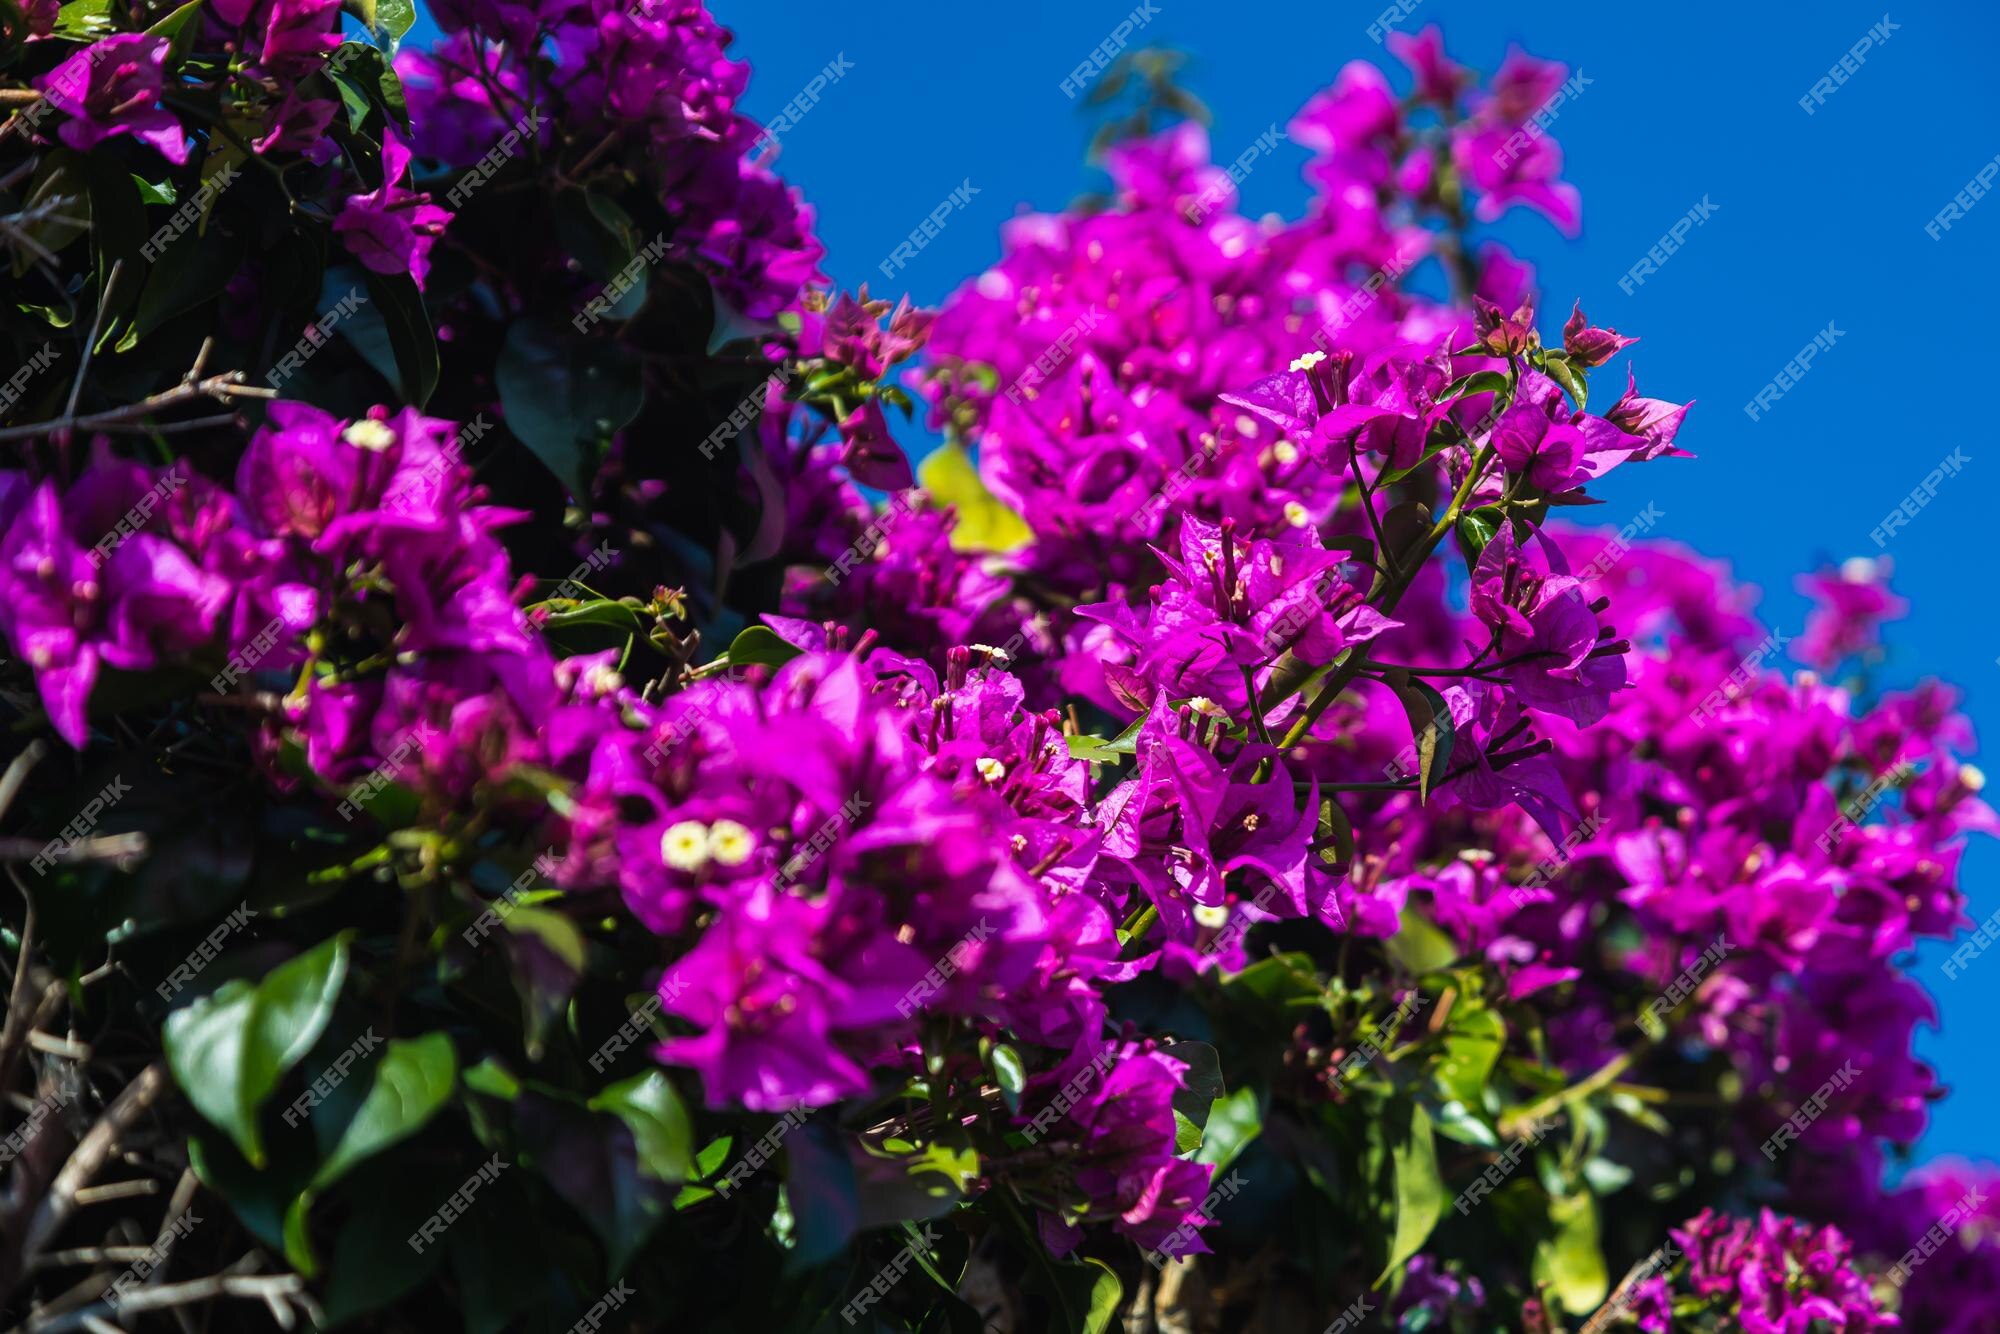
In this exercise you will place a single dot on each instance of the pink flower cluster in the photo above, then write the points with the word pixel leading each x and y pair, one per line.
pixel 1234 448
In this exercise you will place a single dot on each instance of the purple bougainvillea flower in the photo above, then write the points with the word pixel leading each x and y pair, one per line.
pixel 1547 452
pixel 1439 77
pixel 297 36
pixel 111 88
pixel 391 229
pixel 871 454
pixel 1588 345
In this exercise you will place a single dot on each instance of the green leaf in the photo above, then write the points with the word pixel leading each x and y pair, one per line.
pixel 1187 1135
pixel 599 611
pixel 602 238
pixel 401 305
pixel 163 193
pixel 1474 1038
pixel 821 1186
pixel 364 10
pixel 259 1199
pixel 1476 529
pixel 900 1186
pixel 373 1262
pixel 1010 1073
pixel 1333 837
pixel 1202 1080
pixel 564 398
pixel 1233 1122
pixel 592 1160
pixel 85 20
pixel 180 28
pixel 984 522
pixel 395 18
pixel 367 83
pixel 1570 376
pixel 1420 947
pixel 228 1050
pixel 190 274
pixel 1276 980
pixel 353 93
pixel 1419 1190
pixel 1479 382
pixel 1432 449
pixel 659 1123
pixel 713 1155
pixel 404 1090
pixel 117 230
pixel 1569 1260
pixel 1083 1298
pixel 759 644
pixel 1455 1122
pixel 1431 729
pixel 492 1079
pixel 1093 749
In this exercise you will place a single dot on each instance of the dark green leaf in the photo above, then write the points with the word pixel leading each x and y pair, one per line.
pixel 1570 376
pixel 1431 730
pixel 401 305
pixel 228 1050
pixel 821 1187
pixel 1276 980
pixel 1201 1081
pixel 1333 838
pixel 1083 1298
pixel 1476 529
pixel 565 397
pixel 648 1105
pixel 1419 1190
pixel 393 1101
pixel 180 27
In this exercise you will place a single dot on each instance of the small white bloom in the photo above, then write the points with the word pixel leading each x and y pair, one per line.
pixel 685 845
pixel 730 843
pixel 369 434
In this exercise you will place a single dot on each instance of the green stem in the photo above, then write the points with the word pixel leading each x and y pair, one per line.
pixel 1512 1123
pixel 1351 662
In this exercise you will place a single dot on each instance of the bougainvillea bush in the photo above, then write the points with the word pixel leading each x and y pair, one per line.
pixel 526 811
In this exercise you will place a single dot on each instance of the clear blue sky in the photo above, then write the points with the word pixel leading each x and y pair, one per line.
pixel 1817 218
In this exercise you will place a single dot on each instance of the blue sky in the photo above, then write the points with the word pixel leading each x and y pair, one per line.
pixel 1817 218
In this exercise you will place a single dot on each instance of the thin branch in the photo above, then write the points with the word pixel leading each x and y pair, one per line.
pixel 119 849
pixel 17 774
pixel 90 343
pixel 279 1292
pixel 91 1154
pixel 222 388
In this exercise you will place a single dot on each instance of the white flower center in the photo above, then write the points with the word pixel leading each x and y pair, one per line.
pixel 685 845
pixel 730 843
